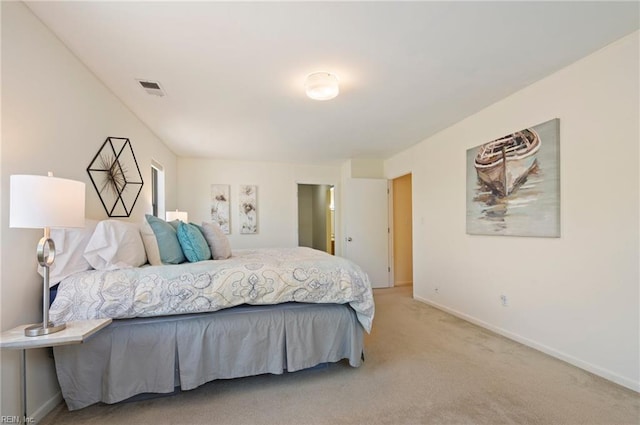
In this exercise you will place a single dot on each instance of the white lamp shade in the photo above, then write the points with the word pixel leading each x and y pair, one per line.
pixel 177 215
pixel 37 202
pixel 322 86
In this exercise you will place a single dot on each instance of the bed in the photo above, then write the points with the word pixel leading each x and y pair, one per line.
pixel 180 326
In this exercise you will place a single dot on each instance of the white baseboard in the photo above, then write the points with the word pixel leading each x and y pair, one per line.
pixel 589 367
pixel 47 407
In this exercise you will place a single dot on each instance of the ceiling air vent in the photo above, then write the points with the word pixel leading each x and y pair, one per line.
pixel 151 87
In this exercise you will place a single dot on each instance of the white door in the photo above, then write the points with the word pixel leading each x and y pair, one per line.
pixel 366 228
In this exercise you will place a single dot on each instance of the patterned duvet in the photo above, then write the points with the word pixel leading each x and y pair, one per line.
pixel 259 277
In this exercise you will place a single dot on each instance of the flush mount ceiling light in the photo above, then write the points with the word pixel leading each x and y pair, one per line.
pixel 321 86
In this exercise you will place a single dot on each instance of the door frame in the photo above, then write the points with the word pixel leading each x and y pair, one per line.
pixel 392 272
pixel 392 275
pixel 337 211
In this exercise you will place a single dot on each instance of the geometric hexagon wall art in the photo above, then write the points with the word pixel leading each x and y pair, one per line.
pixel 116 176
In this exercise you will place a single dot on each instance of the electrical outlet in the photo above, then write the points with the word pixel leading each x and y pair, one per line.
pixel 504 300
pixel 436 290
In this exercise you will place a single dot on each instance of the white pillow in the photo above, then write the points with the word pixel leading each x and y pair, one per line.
pixel 217 240
pixel 115 245
pixel 70 246
pixel 150 243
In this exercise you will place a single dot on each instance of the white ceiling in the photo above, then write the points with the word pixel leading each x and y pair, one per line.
pixel 234 71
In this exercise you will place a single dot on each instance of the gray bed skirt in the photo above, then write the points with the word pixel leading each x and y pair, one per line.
pixel 155 355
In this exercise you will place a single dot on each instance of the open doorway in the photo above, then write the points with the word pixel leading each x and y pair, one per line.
pixel 316 217
pixel 402 231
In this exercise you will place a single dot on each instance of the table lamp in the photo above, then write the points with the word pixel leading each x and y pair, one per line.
pixel 177 215
pixel 43 202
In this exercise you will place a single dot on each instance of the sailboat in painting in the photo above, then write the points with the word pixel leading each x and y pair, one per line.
pixel 504 164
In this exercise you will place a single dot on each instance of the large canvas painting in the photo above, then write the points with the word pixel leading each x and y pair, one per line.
pixel 513 184
pixel 248 209
pixel 220 206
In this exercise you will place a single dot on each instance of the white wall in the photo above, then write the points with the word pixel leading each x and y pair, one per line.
pixel 277 201
pixel 362 168
pixel 575 297
pixel 305 215
pixel 55 116
pixel 320 207
pixel 313 224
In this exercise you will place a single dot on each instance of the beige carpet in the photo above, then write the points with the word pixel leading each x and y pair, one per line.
pixel 423 366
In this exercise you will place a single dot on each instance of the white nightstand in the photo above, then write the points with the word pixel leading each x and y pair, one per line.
pixel 74 333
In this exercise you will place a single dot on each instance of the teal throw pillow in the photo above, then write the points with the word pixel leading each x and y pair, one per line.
pixel 167 239
pixel 194 245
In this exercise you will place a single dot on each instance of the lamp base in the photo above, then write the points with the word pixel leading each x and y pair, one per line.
pixel 39 329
